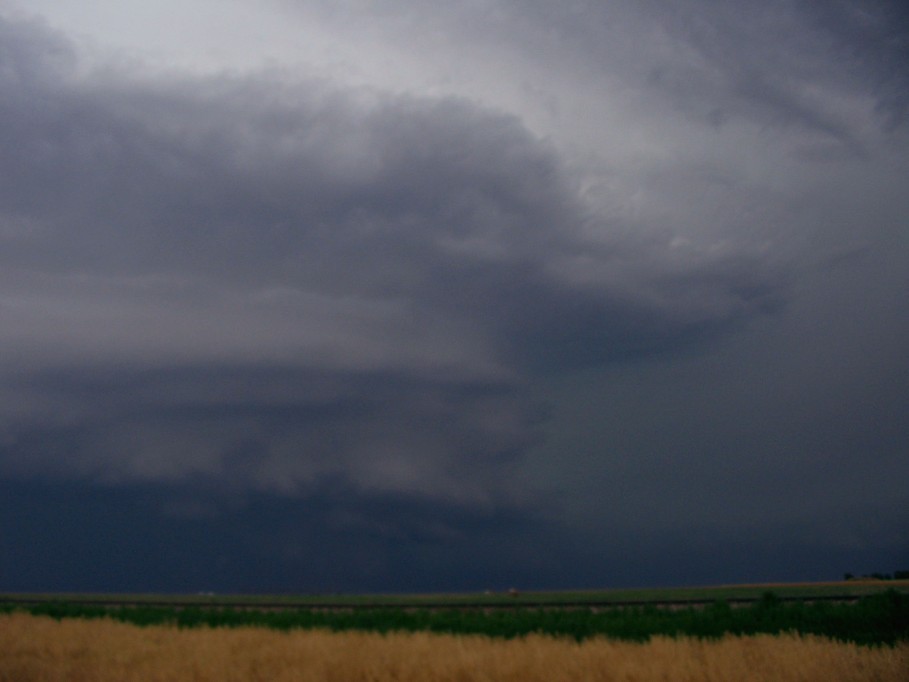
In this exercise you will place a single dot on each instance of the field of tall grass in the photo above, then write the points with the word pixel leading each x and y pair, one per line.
pixel 36 648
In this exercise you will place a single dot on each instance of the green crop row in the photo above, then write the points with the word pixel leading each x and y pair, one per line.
pixel 878 619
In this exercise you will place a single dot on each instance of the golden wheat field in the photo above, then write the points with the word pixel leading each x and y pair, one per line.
pixel 37 648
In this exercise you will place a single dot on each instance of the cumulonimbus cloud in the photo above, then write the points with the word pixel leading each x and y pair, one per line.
pixel 273 283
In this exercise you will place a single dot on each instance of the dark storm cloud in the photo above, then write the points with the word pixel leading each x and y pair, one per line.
pixel 268 285
pixel 278 429
pixel 579 293
pixel 116 540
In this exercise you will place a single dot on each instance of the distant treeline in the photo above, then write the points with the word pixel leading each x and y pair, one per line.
pixel 896 575
pixel 882 618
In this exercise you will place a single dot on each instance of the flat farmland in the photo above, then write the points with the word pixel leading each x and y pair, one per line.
pixel 671 596
pixel 830 631
pixel 881 616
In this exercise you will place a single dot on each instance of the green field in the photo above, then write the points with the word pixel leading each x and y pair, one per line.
pixel 880 617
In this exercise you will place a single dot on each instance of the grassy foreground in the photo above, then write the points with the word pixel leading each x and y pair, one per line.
pixel 40 648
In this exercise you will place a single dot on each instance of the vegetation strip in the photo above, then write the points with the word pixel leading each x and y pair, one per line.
pixel 432 606
pixel 877 619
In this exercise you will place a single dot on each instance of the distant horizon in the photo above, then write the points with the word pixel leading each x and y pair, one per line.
pixel 521 593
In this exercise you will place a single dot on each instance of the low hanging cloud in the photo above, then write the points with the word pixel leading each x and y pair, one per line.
pixel 274 285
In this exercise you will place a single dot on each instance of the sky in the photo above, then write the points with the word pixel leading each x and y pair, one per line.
pixel 408 295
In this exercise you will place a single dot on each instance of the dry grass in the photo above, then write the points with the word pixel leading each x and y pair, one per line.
pixel 34 648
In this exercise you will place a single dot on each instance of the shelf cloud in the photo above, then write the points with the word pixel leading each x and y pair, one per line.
pixel 476 273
